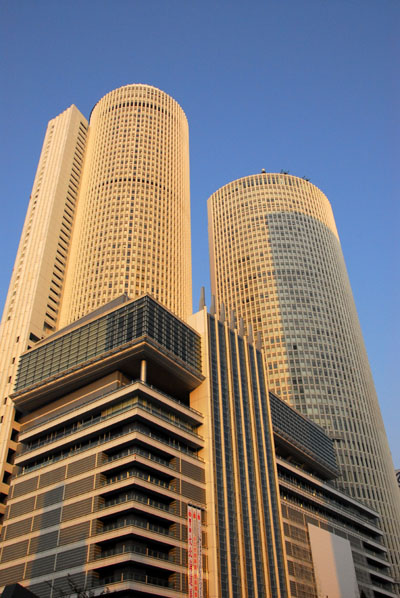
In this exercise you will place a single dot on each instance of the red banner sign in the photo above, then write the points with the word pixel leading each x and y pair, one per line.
pixel 195 584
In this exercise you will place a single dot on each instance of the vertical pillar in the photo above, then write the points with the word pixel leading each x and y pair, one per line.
pixel 143 370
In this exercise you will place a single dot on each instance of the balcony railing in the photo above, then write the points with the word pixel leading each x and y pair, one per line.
pixel 100 418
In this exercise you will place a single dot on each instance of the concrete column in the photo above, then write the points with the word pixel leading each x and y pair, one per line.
pixel 143 370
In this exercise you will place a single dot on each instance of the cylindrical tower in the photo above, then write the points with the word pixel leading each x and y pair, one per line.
pixel 276 261
pixel 132 232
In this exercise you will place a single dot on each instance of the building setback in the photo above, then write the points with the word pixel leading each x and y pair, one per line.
pixel 276 262
pixel 333 542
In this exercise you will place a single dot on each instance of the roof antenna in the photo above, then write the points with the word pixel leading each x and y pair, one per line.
pixel 202 302
pixel 259 341
pixel 250 334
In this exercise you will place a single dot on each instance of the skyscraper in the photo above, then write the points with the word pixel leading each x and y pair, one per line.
pixel 109 214
pixel 115 472
pixel 36 288
pixel 276 261
pixel 132 230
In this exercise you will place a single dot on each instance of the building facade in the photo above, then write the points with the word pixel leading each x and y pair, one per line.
pixel 334 543
pixel 108 464
pixel 109 214
pixel 276 262
pixel 139 451
pixel 245 543
pixel 132 229
pixel 32 307
pixel 128 427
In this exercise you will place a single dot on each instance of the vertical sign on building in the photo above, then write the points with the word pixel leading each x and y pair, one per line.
pixel 195 584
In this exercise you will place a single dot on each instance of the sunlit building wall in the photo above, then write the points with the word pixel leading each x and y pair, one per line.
pixel 276 261
pixel 108 458
pixel 132 232
pixel 246 556
pixel 109 214
pixel 32 307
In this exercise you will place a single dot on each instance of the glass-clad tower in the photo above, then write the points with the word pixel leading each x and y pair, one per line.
pixel 276 261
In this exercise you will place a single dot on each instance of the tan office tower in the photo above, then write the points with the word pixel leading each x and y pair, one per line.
pixel 109 215
pixel 132 232
pixel 276 261
pixel 33 301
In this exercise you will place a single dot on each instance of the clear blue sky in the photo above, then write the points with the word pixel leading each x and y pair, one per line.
pixel 310 86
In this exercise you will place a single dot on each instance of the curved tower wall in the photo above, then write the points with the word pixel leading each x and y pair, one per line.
pixel 276 261
pixel 132 233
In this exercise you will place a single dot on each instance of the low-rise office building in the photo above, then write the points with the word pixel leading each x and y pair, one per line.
pixel 108 465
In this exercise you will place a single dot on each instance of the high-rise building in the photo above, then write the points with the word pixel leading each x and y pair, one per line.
pixel 276 262
pixel 132 229
pixel 137 451
pixel 35 293
pixel 246 553
pixel 109 214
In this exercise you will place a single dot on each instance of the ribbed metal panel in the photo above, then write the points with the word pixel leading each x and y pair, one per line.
pixel 50 497
pixel 10 574
pixel 43 542
pixel 77 509
pixel 39 567
pixel 25 487
pixel 192 471
pixel 62 585
pixel 74 533
pixel 47 519
pixel 79 487
pixel 13 530
pixel 22 507
pixel 192 491
pixel 14 551
pixel 42 590
pixel 71 558
pixel 81 466
pixel 51 477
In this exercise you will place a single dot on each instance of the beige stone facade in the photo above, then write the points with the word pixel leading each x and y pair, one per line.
pixel 36 288
pixel 276 261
